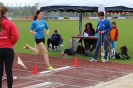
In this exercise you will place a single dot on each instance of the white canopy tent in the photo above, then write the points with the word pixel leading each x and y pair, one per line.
pixel 102 5
pixel 86 6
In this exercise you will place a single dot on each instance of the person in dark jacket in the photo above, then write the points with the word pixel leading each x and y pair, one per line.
pixel 55 40
pixel 91 32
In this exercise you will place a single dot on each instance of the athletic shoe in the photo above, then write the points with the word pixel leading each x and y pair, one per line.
pixel 47 48
pixel 3 78
pixel 93 60
pixel 88 53
pixel 52 50
pixel 26 46
pixel 50 68
pixel 61 54
pixel 104 60
pixel 56 47
pixel 15 77
pixel 65 55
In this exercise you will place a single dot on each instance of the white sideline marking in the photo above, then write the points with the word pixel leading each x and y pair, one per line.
pixel 39 85
pixel 24 83
pixel 105 83
pixel 58 69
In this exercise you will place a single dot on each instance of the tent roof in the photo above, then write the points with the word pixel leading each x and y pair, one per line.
pixel 86 5
pixel 70 5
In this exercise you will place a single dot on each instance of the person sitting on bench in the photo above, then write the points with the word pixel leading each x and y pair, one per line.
pixel 55 40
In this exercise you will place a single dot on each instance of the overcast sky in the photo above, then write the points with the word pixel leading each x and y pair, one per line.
pixel 31 2
pixel 13 2
pixel 20 1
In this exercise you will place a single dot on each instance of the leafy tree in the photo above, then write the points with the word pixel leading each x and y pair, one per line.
pixel 33 10
pixel 1 4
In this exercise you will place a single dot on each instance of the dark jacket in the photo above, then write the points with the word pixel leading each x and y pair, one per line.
pixel 57 38
pixel 91 29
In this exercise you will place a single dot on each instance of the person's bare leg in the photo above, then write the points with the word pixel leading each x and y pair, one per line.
pixel 45 51
pixel 36 51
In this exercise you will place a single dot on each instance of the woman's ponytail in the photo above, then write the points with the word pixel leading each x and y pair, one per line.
pixel 35 17
pixel 37 13
pixel 3 10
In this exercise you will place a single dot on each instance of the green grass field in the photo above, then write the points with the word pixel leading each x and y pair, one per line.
pixel 70 28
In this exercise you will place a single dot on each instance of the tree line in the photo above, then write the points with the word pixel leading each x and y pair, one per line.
pixel 22 11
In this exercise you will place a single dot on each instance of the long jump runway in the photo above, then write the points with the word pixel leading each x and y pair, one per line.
pixel 65 75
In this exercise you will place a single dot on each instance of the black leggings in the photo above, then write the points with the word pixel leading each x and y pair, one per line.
pixel 53 42
pixel 6 57
pixel 88 45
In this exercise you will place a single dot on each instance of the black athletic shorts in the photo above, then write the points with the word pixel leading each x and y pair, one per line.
pixel 40 40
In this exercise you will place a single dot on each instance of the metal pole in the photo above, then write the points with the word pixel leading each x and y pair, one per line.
pixel 80 22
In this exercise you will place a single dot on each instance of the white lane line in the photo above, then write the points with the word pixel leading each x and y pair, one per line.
pixel 57 70
pixel 40 62
pixel 75 78
pixel 102 70
pixel 54 85
pixel 82 67
pixel 59 85
pixel 109 82
pixel 24 83
pixel 22 70
pixel 39 85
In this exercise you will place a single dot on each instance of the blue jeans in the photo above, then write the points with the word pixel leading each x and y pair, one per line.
pixel 98 45
pixel 113 44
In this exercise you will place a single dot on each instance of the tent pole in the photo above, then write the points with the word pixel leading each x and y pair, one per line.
pixel 102 8
pixel 80 22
